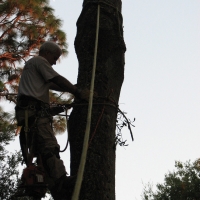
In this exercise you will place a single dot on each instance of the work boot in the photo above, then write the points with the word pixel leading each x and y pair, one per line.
pixel 68 187
pixel 63 188
pixel 69 181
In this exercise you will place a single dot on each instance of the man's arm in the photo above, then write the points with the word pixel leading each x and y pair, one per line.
pixel 59 83
pixel 53 86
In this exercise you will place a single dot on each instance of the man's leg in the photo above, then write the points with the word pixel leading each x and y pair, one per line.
pixel 49 150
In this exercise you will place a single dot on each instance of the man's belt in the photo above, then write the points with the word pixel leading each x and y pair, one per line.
pixel 24 101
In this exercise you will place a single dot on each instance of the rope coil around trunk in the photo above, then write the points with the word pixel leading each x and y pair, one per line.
pixel 87 132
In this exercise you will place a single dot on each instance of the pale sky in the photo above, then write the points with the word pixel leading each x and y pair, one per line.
pixel 160 90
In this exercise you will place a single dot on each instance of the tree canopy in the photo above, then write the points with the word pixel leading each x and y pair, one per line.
pixel 181 184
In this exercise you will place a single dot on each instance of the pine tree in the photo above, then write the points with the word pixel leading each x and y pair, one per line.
pixel 24 26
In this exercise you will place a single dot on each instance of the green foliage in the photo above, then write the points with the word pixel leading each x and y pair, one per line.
pixel 24 26
pixel 9 174
pixel 59 124
pixel 8 162
pixel 182 184
pixel 7 127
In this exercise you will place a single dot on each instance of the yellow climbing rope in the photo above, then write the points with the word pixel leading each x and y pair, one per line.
pixel 87 132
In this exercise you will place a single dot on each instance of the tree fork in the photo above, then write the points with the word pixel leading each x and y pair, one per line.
pixel 99 175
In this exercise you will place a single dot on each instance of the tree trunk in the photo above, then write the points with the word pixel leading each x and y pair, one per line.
pixel 99 175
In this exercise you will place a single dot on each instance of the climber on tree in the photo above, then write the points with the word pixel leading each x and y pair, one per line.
pixel 33 113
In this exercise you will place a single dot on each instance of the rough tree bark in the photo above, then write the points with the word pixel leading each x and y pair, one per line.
pixel 99 175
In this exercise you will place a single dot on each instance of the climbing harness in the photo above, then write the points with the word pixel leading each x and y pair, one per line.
pixel 29 112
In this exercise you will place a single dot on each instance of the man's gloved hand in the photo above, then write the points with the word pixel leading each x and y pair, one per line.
pixel 83 94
